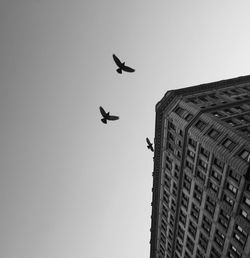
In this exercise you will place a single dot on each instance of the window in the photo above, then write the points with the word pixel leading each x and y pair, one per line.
pixel 244 214
pixel 210 205
pixel 192 229
pixel 171 136
pixel 171 126
pixel 223 219
pixel 189 165
pixel 190 245
pixel 219 238
pixel 199 254
pixel 203 241
pixel 234 175
pixel 183 218
pixel 187 182
pixel 245 154
pixel 197 194
pixel 246 201
pixel 204 152
pixel 231 122
pixel 240 235
pixel 214 134
pixel 184 201
pixel 234 251
pixel 188 117
pixel 191 154
pixel 214 253
pixel 228 144
pixel 202 164
pixel 206 224
pixel 181 233
pixel 228 200
pixel 179 111
pixel 216 176
pixel 217 114
pixel 200 125
pixel 231 188
pixel 195 211
pixel 179 246
pixel 192 142
pixel 213 187
pixel 218 163
pixel 201 176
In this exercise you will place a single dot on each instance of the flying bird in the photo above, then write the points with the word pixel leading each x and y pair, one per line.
pixel 107 116
pixel 150 145
pixel 122 66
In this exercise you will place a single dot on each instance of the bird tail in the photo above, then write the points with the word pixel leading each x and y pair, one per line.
pixel 119 70
pixel 104 120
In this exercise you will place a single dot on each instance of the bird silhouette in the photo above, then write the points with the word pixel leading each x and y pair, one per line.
pixel 122 66
pixel 150 145
pixel 107 116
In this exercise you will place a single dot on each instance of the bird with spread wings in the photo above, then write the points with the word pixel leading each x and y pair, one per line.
pixel 150 145
pixel 122 66
pixel 107 116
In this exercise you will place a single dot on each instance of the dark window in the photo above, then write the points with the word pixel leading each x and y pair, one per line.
pixel 228 144
pixel 217 114
pixel 189 165
pixel 200 125
pixel 231 122
pixel 214 134
pixel 199 254
pixel 172 126
pixel 188 117
pixel 190 245
pixel 192 229
pixel 213 187
pixel 195 211
pixel 204 152
pixel 245 154
pixel 184 201
pixel 229 111
pixel 223 219
pixel 197 194
pixel 206 224
pixel 203 241
pixel 202 164
pixel 218 163
pixel 183 218
pixel 216 176
pixel 210 205
pixel 214 253
pixel 192 142
pixel 181 233
pixel 234 175
pixel 179 111
pixel 187 182
pixel 201 176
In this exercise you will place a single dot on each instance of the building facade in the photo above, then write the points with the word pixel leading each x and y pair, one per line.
pixel 201 177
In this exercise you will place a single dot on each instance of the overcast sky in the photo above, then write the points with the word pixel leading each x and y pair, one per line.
pixel 70 186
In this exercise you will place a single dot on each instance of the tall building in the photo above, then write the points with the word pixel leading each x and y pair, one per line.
pixel 201 177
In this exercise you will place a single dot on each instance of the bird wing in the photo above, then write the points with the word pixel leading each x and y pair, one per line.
pixel 113 117
pixel 151 148
pixel 148 141
pixel 103 112
pixel 117 60
pixel 128 69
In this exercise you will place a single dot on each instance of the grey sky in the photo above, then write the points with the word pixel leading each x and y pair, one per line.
pixel 71 186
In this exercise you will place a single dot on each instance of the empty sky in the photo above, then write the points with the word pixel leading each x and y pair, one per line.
pixel 70 186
